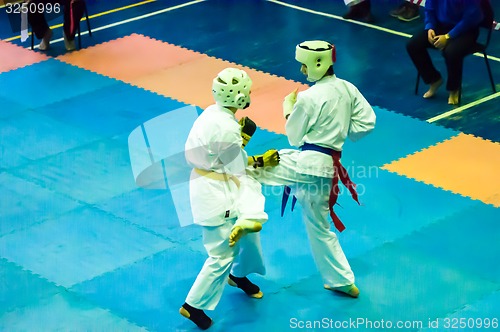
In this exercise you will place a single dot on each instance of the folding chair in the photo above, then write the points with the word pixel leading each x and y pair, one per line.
pixel 78 27
pixel 479 47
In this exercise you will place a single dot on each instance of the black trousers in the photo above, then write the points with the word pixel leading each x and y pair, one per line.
pixel 454 54
pixel 71 9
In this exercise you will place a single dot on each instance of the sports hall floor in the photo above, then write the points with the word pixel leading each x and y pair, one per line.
pixel 83 248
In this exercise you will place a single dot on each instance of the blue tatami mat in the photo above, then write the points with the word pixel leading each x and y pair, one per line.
pixel 64 312
pixel 31 136
pixel 391 207
pixel 148 292
pixel 403 284
pixel 79 246
pixel 154 211
pixel 286 249
pixel 394 137
pixel 49 81
pixel 24 203
pixel 471 121
pixel 110 110
pixel 479 316
pixel 28 288
pixel 459 238
pixel 90 173
pixel 10 108
pixel 84 248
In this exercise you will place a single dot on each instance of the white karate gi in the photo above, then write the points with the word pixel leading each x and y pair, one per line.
pixel 218 201
pixel 325 114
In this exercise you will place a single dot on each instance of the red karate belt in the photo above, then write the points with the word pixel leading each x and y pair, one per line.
pixel 339 172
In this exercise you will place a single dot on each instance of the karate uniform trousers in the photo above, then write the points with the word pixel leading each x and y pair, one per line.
pixel 312 193
pixel 310 173
pixel 240 260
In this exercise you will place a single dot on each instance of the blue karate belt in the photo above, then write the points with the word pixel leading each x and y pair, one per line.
pixel 287 191
pixel 340 173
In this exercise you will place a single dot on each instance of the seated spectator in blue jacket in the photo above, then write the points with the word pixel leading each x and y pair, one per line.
pixel 451 26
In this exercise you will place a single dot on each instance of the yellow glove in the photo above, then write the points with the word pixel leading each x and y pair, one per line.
pixel 269 158
pixel 248 128
pixel 288 103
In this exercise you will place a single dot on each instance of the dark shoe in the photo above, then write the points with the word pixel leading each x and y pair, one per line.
pixel 360 12
pixel 246 285
pixel 367 18
pixel 400 10
pixel 411 13
pixel 197 316
pixel 352 13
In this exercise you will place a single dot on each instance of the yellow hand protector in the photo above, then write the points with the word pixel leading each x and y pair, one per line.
pixel 269 158
pixel 248 128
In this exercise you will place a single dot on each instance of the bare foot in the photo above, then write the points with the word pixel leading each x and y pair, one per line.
pixel 433 89
pixel 69 44
pixel 453 98
pixel 242 228
pixel 45 43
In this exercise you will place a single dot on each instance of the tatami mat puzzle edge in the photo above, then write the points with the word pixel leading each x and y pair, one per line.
pixel 464 164
pixel 405 243
pixel 15 57
pixel 180 74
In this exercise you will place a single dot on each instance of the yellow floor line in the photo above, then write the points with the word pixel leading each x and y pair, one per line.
pixel 372 26
pixel 398 33
pixel 463 108
pixel 130 20
pixel 95 15
pixel 340 18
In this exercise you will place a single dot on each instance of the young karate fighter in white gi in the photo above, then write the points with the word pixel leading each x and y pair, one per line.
pixel 319 120
pixel 226 202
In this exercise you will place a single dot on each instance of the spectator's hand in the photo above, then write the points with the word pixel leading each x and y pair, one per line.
pixel 431 35
pixel 440 42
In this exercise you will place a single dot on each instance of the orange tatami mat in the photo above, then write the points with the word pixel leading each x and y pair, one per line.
pixel 267 109
pixel 129 57
pixel 14 57
pixel 465 164
pixel 182 74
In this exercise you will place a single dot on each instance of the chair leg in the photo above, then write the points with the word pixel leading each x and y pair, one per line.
pixel 79 25
pixel 87 20
pixel 417 83
pixel 79 37
pixel 32 39
pixel 489 72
